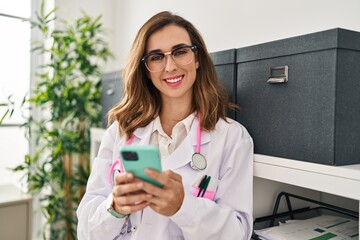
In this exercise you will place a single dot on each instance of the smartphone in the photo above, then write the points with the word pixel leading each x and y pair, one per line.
pixel 136 158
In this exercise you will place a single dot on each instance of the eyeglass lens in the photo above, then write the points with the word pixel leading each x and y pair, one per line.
pixel 181 56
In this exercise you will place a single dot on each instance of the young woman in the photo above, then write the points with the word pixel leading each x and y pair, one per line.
pixel 172 100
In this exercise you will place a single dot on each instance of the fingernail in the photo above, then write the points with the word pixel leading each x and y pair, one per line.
pixel 139 185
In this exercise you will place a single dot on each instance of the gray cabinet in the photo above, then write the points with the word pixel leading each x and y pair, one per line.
pixel 300 96
pixel 225 67
pixel 112 91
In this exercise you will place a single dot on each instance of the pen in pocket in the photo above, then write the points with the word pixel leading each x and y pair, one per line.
pixel 203 185
pixel 206 185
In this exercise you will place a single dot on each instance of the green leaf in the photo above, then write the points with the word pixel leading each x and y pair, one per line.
pixel 4 116
pixel 50 13
pixel 18 168
pixel 11 113
pixel 57 149
pixel 27 159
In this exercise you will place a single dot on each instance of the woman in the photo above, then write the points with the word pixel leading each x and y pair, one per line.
pixel 173 100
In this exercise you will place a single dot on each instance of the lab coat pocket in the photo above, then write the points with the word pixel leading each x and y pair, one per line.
pixel 208 192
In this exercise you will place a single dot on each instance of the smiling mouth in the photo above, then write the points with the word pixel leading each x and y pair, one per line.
pixel 174 80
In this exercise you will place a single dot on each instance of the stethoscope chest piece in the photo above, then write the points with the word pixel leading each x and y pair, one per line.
pixel 198 162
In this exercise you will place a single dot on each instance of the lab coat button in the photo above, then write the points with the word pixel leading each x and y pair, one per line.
pixel 133 229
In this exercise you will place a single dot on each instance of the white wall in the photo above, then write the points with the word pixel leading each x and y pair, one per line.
pixel 237 23
pixel 224 24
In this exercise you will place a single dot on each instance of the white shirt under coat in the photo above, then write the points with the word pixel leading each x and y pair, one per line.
pixel 228 150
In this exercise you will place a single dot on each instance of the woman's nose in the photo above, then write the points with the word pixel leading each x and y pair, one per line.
pixel 170 64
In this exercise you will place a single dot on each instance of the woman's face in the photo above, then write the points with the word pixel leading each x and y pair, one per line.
pixel 175 81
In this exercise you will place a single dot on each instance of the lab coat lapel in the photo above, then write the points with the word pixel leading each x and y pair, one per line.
pixel 142 136
pixel 183 154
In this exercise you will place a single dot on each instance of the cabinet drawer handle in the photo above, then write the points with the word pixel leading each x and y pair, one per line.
pixel 110 90
pixel 278 74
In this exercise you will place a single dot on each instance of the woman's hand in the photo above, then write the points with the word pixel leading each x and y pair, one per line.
pixel 128 197
pixel 168 199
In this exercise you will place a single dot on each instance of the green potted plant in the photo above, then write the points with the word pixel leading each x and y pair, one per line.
pixel 68 94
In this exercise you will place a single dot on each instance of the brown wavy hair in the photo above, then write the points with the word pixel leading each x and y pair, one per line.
pixel 141 102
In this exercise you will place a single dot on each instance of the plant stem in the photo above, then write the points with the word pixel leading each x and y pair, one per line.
pixel 67 166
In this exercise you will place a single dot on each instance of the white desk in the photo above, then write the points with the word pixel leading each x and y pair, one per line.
pixel 338 180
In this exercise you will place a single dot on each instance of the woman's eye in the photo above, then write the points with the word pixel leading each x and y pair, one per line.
pixel 156 57
pixel 180 52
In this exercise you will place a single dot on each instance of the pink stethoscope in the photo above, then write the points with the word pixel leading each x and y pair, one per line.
pixel 198 161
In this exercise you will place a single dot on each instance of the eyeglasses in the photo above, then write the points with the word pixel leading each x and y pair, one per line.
pixel 182 55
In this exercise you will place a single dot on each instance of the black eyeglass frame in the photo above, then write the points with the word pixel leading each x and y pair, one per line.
pixel 193 48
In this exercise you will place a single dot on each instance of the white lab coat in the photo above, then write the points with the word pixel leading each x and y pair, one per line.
pixel 229 153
